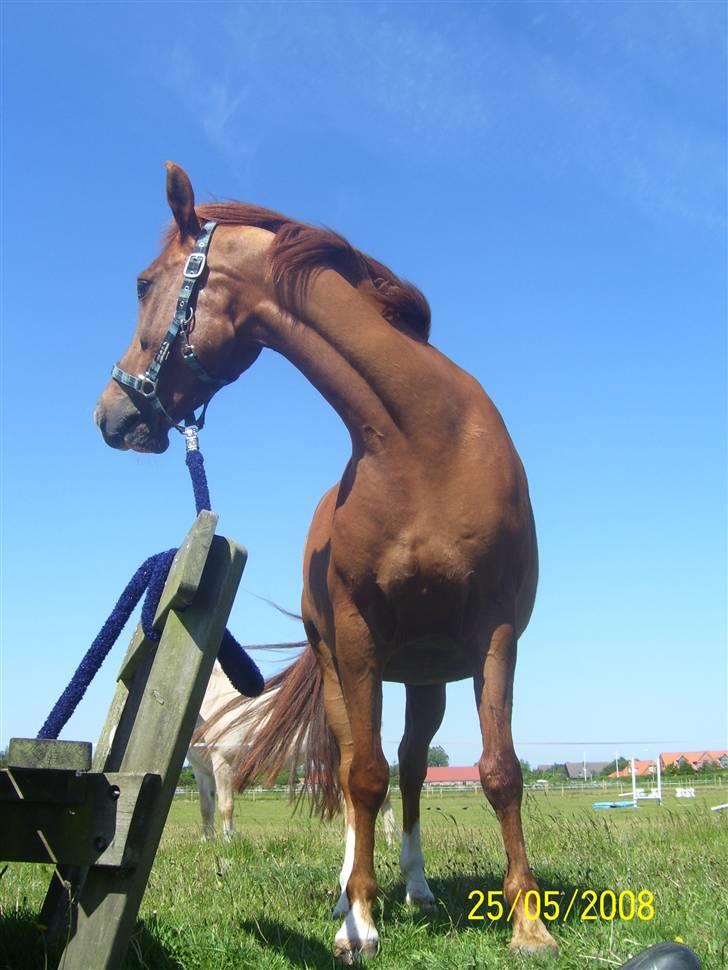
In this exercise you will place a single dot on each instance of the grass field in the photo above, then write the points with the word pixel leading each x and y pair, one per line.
pixel 264 900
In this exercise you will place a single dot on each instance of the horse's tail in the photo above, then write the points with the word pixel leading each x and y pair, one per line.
pixel 290 731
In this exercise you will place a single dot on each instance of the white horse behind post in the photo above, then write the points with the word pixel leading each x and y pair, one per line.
pixel 213 754
pixel 216 751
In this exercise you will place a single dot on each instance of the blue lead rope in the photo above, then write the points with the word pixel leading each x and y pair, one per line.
pixel 151 576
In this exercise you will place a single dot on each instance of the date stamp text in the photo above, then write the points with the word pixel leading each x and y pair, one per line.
pixel 554 906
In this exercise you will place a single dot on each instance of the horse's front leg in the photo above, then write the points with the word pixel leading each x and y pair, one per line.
pixel 500 775
pixel 360 676
pixel 423 715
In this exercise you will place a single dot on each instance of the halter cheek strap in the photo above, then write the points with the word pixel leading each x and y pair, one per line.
pixel 184 314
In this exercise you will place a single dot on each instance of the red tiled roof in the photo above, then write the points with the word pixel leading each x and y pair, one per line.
pixel 641 769
pixel 468 773
pixel 670 757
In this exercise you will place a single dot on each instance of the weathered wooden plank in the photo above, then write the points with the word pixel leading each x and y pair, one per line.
pixel 187 567
pixel 157 742
pixel 122 715
pixel 50 785
pixel 104 828
pixel 38 753
pixel 137 797
pixel 138 649
pixel 56 913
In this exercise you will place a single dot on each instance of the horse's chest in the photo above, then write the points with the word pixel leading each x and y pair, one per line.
pixel 422 566
pixel 413 588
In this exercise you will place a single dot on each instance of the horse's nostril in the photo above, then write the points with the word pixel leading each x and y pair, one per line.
pixel 115 423
pixel 127 423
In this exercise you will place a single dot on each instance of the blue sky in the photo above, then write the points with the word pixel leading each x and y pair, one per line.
pixel 552 175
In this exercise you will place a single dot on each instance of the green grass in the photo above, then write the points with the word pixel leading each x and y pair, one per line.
pixel 263 901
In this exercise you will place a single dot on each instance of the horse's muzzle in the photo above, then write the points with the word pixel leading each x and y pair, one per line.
pixel 124 427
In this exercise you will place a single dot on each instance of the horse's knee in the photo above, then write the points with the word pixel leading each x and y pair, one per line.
pixel 362 887
pixel 501 779
pixel 369 781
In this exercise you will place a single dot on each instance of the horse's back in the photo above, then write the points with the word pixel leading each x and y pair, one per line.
pixel 219 692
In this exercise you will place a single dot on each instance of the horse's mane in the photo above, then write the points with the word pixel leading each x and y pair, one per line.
pixel 301 251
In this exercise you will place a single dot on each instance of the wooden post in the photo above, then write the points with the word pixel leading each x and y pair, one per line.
pixel 121 805
pixel 157 742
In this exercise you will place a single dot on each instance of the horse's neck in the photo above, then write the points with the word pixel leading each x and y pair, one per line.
pixel 363 366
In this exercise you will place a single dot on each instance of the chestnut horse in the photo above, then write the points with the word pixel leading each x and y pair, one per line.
pixel 420 564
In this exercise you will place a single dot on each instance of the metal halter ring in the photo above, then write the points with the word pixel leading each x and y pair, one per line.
pixel 147 387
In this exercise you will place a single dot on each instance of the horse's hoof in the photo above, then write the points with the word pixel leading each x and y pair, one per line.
pixel 423 901
pixel 349 954
pixel 357 936
pixel 534 939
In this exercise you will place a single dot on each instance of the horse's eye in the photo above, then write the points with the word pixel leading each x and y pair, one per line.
pixel 143 288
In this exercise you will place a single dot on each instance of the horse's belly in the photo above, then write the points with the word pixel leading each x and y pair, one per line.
pixel 429 660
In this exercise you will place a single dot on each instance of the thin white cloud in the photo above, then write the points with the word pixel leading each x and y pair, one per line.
pixel 221 108
pixel 611 97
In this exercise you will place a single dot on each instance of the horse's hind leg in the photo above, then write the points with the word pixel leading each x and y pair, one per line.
pixel 500 775
pixel 423 716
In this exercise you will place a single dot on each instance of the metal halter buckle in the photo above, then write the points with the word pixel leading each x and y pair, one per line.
pixel 194 266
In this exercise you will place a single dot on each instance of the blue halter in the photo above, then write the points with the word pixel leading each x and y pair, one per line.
pixel 146 384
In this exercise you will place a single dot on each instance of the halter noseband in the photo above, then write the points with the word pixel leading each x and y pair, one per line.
pixel 184 314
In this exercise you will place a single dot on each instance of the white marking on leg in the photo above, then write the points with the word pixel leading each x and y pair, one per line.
pixel 357 931
pixel 412 864
pixel 342 907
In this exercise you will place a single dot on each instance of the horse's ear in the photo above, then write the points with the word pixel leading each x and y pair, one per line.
pixel 181 200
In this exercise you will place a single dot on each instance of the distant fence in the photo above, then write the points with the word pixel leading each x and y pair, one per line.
pixel 435 789
pixel 431 789
pixel 188 793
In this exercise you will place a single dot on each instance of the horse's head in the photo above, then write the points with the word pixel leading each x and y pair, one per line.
pixel 191 335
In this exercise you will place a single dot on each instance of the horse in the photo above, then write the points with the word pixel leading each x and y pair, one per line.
pixel 213 758
pixel 226 726
pixel 421 563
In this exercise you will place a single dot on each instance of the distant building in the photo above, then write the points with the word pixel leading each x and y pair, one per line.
pixel 642 769
pixel 452 776
pixel 697 760
pixel 584 771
